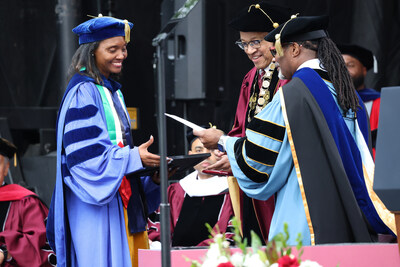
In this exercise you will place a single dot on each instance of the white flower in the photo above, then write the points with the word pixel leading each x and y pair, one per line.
pixel 254 261
pixel 222 259
pixel 218 236
pixel 214 262
pixel 308 263
pixel 210 263
pixel 274 264
pixel 213 253
pixel 237 259
pixel 225 244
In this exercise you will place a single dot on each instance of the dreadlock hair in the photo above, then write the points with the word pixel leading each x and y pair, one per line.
pixel 84 57
pixel 332 61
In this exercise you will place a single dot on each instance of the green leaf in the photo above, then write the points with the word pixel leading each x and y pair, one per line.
pixel 299 246
pixel 255 241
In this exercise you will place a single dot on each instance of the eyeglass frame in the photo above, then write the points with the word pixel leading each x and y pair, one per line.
pixel 272 49
pixel 255 44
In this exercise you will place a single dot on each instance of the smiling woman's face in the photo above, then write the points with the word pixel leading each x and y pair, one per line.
pixel 110 54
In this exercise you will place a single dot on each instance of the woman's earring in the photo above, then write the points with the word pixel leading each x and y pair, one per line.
pixel 92 55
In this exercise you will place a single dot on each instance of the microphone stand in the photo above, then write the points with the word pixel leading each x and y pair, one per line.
pixel 158 67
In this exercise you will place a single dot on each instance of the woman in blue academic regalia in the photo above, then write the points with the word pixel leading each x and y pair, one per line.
pixel 88 218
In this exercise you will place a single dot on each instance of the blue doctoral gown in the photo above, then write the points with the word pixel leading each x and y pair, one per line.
pixel 86 220
pixel 263 164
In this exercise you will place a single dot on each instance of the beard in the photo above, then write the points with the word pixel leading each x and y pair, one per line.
pixel 281 76
pixel 358 81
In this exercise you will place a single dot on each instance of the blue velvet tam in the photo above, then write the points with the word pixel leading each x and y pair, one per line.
pixel 101 28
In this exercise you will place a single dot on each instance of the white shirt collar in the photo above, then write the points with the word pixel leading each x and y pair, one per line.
pixel 312 63
pixel 204 187
pixel 266 69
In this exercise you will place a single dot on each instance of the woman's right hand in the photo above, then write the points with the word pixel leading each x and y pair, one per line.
pixel 148 159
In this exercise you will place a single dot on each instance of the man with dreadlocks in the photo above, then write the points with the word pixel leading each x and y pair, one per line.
pixel 307 147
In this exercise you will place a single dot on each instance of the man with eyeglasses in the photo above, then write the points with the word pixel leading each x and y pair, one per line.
pixel 261 82
pixel 258 87
pixel 308 145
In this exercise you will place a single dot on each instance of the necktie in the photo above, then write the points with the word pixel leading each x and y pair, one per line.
pixel 260 75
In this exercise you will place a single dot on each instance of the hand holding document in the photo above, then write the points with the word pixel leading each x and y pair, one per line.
pixel 209 137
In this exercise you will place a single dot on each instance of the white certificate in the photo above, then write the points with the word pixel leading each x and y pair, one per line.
pixel 186 122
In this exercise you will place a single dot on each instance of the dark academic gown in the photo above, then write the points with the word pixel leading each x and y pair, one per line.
pixel 23 231
pixel 258 213
pixel 372 100
pixel 189 215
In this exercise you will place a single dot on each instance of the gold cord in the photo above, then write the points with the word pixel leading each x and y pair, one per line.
pixel 278 44
pixel 257 6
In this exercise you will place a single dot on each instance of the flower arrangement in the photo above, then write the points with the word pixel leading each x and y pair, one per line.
pixel 277 253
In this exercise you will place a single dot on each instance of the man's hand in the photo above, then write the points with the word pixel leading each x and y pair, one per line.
pixel 222 164
pixel 1 257
pixel 148 159
pixel 209 137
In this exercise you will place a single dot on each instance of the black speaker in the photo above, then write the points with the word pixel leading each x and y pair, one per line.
pixel 184 53
pixel 387 160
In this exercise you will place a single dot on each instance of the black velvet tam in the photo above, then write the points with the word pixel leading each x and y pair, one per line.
pixel 252 19
pixel 362 54
pixel 7 149
pixel 300 29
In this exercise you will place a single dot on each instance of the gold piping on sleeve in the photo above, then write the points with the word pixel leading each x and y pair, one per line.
pixel 297 167
pixel 386 216
pixel 276 152
pixel 263 135
pixel 274 123
pixel 245 161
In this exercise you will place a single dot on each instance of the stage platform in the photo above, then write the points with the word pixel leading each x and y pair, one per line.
pixel 365 255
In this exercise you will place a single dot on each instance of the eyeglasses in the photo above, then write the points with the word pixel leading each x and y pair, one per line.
pixel 253 44
pixel 272 49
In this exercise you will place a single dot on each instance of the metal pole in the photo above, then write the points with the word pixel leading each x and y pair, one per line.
pixel 164 206
pixel 158 67
pixel 67 17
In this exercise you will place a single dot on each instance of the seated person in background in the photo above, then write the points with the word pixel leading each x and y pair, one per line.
pixel 358 61
pixel 22 219
pixel 195 200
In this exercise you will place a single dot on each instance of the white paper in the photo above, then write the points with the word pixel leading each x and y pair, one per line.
pixel 186 122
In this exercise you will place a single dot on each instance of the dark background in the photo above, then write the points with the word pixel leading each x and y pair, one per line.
pixel 37 44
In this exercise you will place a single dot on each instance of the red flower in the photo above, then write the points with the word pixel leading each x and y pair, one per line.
pixel 225 264
pixel 287 261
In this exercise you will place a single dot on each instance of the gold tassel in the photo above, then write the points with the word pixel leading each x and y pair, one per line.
pixel 278 42
pixel 15 160
pixel 127 31
pixel 278 45
pixel 257 6
pixel 127 27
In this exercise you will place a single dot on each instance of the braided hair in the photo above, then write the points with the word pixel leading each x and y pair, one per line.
pixel 332 61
